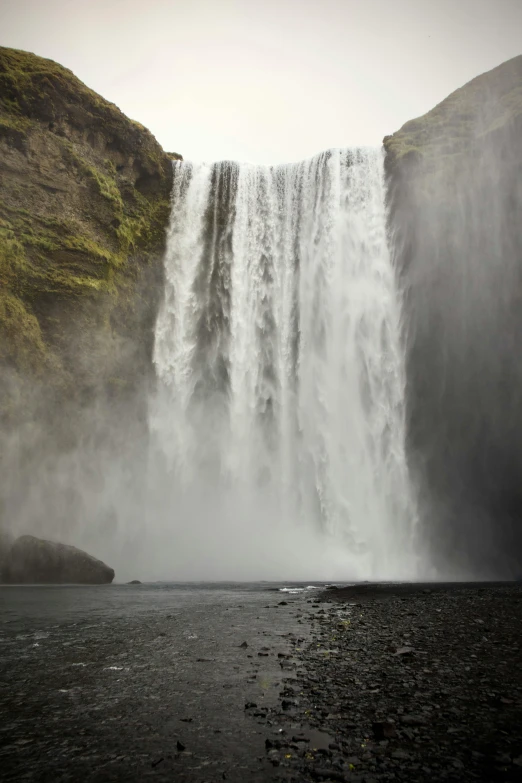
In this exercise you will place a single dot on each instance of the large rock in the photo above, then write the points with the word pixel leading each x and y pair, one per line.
pixel 454 188
pixel 36 561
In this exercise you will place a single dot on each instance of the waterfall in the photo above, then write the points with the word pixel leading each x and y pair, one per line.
pixel 279 412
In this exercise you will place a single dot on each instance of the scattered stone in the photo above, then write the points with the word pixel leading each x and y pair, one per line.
pixel 400 755
pixel 244 645
pixel 384 730
pixel 135 582
pixel 180 746
pixel 328 774
pixel 413 720
pixel 349 679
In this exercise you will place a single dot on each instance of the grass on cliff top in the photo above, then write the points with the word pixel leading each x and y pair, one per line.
pixel 481 106
pixel 33 87
pixel 25 77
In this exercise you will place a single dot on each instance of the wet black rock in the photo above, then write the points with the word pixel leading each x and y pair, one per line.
pixel 384 730
pixel 413 720
pixel 328 774
pixel 34 560
pixel 403 651
pixel 417 683
pixel 134 582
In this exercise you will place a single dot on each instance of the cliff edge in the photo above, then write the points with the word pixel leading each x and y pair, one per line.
pixel 455 201
pixel 84 203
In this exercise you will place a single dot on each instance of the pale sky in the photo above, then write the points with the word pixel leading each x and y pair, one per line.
pixel 268 81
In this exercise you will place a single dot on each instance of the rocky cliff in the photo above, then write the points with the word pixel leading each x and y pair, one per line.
pixel 84 205
pixel 84 202
pixel 454 181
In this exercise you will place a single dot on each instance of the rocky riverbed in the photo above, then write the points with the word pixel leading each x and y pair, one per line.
pixel 406 683
pixel 204 683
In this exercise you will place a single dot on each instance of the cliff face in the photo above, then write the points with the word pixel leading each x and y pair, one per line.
pixel 84 203
pixel 454 182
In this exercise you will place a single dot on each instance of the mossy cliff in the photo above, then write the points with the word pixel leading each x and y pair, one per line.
pixel 84 203
pixel 455 205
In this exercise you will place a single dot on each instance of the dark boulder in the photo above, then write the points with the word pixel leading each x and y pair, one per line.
pixel 33 560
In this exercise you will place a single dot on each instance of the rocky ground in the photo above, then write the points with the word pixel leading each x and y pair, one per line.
pixel 406 684
pixel 199 685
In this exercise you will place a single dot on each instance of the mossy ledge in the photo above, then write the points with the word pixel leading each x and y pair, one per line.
pixel 84 205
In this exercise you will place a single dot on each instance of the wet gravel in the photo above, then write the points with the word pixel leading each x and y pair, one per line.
pixel 368 683
pixel 128 683
pixel 406 683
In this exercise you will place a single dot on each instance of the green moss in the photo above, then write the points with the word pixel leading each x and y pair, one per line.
pixel 107 187
pixel 48 234
pixel 22 344
pixel 70 263
pixel 12 122
pixel 25 79
pixel 13 262
pixel 85 245
pixel 111 168
pixel 147 227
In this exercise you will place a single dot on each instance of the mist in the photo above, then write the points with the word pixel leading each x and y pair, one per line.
pixel 157 487
pixel 273 443
pixel 321 380
pixel 457 248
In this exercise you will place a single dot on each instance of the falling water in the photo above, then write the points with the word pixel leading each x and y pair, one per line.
pixel 280 406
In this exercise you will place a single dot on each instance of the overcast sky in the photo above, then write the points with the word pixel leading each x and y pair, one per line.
pixel 268 81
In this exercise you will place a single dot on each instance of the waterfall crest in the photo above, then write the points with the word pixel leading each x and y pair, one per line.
pixel 279 414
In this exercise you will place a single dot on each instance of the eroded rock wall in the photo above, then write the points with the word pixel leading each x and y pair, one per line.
pixel 84 202
pixel 84 206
